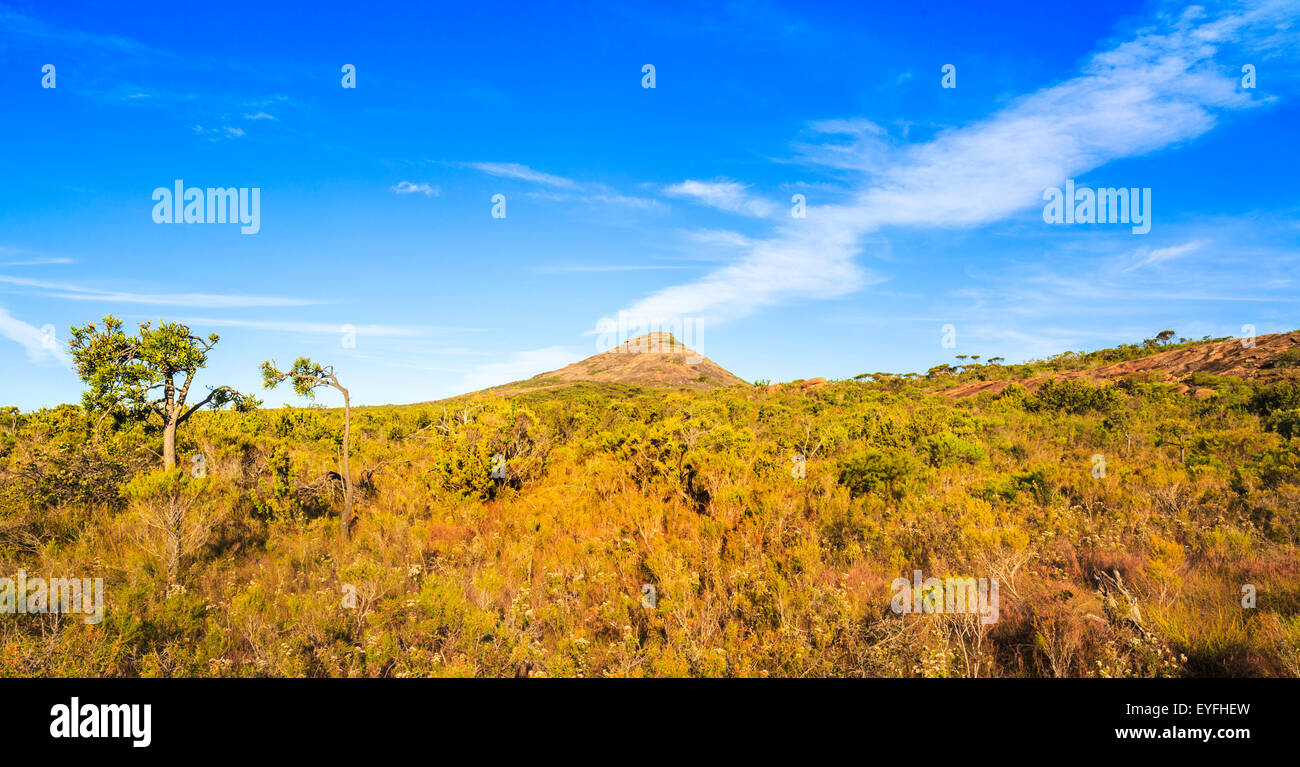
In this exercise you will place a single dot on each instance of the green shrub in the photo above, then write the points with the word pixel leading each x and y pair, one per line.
pixel 874 470
pixel 279 498
pixel 1270 398
pixel 1284 422
pixel 947 448
pixel 1073 396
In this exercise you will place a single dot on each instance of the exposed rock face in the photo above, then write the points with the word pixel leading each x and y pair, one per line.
pixel 1221 358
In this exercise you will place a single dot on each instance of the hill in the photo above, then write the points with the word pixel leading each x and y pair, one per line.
pixel 654 360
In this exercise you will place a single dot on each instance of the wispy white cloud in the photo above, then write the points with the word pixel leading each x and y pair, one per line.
pixel 1149 256
pixel 26 258
pixel 852 126
pixel 608 268
pixel 39 262
pixel 799 261
pixel 614 198
pixel 571 190
pixel 210 300
pixel 40 344
pixel 846 144
pixel 724 194
pixel 724 237
pixel 518 366
pixel 329 328
pixel 1160 88
pixel 216 134
pixel 522 173
pixel 409 187
pixel 259 116
pixel 1084 295
pixel 17 25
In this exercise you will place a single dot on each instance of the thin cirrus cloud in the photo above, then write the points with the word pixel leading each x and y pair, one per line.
pixel 19 26
pixel 607 268
pixel 1159 255
pixel 519 172
pixel 1161 87
pixel 559 188
pixel 39 262
pixel 328 328
pixel 209 300
pixel 26 259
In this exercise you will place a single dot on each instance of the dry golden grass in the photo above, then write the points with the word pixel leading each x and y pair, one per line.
pixel 757 572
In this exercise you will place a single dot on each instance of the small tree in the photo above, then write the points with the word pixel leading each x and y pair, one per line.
pixel 1122 421
pixel 307 377
pixel 179 513
pixel 1175 431
pixel 138 375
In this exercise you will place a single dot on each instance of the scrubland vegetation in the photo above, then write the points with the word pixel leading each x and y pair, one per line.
pixel 993 369
pixel 450 571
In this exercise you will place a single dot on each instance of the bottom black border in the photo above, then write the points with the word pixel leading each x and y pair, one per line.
pixel 269 717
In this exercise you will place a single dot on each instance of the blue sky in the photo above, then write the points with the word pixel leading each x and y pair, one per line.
pixel 924 204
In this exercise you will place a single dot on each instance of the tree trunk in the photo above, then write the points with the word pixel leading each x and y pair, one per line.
pixel 347 473
pixel 169 445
